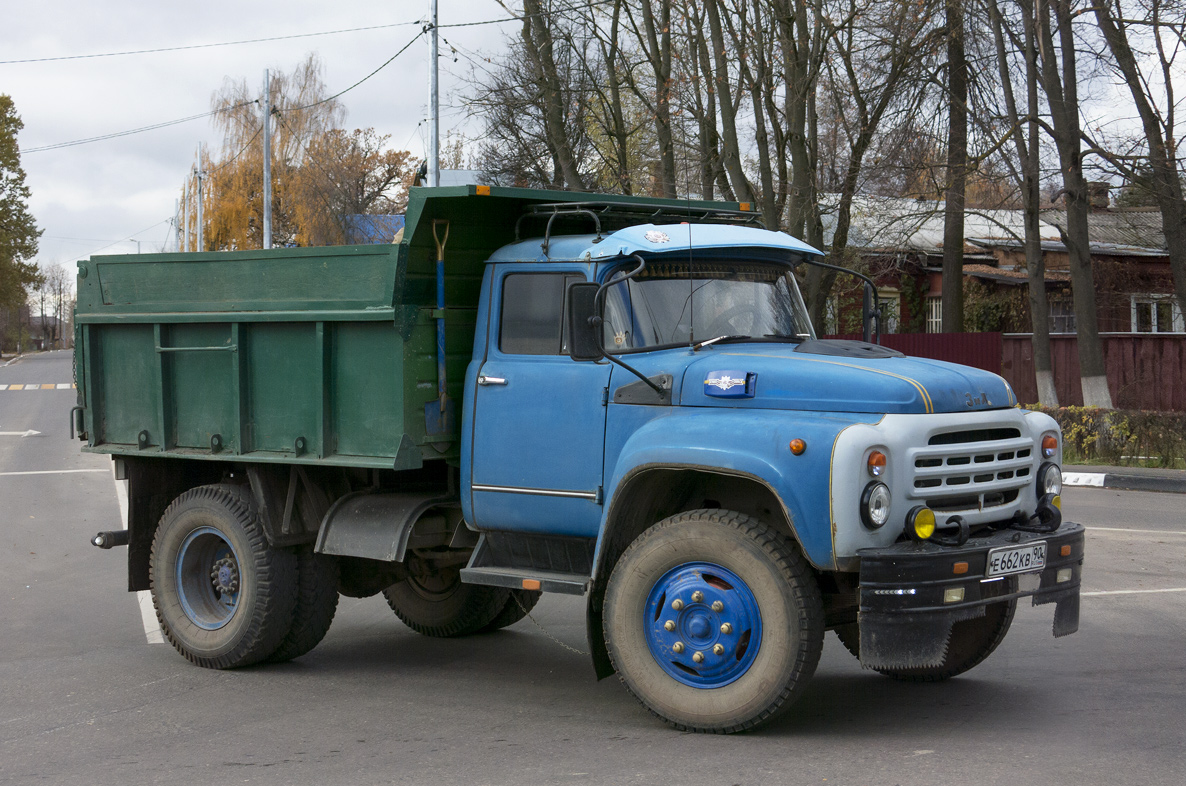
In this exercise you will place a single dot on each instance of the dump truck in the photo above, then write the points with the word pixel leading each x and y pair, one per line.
pixel 619 398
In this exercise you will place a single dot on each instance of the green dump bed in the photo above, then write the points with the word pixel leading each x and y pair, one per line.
pixel 296 355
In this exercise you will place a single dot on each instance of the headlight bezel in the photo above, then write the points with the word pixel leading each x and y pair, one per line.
pixel 1052 470
pixel 874 518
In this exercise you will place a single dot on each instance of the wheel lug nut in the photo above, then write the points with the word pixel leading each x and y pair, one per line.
pixel 677 604
pixel 678 647
pixel 698 657
pixel 718 649
pixel 726 628
pixel 669 625
pixel 697 596
pixel 718 606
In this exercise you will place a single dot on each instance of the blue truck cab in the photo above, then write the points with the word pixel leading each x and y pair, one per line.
pixel 649 420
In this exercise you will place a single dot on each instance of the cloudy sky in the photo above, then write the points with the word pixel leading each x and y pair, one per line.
pixel 101 197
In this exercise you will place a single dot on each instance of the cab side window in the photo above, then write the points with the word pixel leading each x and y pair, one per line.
pixel 532 321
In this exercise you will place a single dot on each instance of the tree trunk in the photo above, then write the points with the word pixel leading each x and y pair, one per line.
pixel 1028 156
pixel 1062 95
pixel 537 37
pixel 957 171
pixel 658 52
pixel 730 150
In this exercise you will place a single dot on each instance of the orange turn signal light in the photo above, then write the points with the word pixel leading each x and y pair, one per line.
pixel 876 463
pixel 798 446
pixel 530 584
pixel 1065 551
pixel 959 567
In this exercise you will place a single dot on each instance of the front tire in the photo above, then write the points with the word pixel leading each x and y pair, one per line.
pixel 713 621
pixel 971 642
pixel 223 597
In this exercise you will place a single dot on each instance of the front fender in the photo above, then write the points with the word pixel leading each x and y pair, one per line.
pixel 753 443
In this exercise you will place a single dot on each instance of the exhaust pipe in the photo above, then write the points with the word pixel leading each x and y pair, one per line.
pixel 108 540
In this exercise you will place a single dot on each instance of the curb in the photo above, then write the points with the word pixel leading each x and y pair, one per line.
pixel 1126 482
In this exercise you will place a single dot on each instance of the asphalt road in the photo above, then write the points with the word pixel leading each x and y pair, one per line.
pixel 84 698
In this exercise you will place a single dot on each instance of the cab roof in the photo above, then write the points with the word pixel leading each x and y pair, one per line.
pixel 649 239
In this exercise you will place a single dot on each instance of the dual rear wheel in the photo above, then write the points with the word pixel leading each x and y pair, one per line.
pixel 223 597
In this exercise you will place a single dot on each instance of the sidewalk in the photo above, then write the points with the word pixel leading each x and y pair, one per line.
pixel 1128 478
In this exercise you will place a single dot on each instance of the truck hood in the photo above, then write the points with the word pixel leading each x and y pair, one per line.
pixel 775 376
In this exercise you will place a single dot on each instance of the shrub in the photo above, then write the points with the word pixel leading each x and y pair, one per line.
pixel 1121 436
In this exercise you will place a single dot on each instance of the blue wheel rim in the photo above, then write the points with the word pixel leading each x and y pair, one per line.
pixel 712 614
pixel 208 580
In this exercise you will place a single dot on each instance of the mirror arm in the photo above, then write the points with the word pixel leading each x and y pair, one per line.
pixel 600 300
pixel 870 289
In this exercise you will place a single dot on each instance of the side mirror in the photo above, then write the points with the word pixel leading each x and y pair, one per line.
pixel 584 322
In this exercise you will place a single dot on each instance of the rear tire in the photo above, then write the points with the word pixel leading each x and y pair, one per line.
pixel 317 601
pixel 441 605
pixel 223 597
pixel 757 648
pixel 519 605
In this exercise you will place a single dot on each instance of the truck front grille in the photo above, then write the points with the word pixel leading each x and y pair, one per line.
pixel 972 469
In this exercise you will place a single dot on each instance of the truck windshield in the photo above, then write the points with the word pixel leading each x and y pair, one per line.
pixel 669 304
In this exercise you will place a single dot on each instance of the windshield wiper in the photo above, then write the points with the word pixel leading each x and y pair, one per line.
pixel 707 342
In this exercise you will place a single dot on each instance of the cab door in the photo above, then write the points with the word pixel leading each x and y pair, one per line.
pixel 539 417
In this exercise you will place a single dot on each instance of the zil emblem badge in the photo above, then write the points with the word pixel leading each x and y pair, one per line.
pixel 730 384
pixel 655 236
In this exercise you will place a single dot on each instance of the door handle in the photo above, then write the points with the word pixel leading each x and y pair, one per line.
pixel 485 380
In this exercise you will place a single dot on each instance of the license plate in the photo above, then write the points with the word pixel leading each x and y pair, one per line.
pixel 1016 559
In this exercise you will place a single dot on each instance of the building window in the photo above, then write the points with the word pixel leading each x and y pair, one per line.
pixel 1156 314
pixel 890 301
pixel 1062 315
pixel 935 314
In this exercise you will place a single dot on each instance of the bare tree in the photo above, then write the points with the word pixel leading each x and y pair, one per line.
pixel 1163 23
pixel 1060 82
pixel 1026 139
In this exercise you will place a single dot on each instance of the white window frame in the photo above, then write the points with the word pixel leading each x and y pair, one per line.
pixel 1176 321
pixel 934 314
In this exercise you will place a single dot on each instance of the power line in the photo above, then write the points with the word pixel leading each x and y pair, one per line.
pixel 208 46
pixel 340 93
pixel 131 131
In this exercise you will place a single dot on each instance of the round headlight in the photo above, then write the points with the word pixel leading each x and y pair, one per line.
pixel 875 505
pixel 1049 479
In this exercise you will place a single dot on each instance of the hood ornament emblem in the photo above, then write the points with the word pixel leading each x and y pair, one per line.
pixel 730 384
pixel 655 236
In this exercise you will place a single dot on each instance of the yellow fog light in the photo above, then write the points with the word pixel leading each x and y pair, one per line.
pixel 1057 501
pixel 953 595
pixel 1063 575
pixel 920 523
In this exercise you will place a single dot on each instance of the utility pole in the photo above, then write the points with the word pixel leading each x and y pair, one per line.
pixel 434 134
pixel 267 228
pixel 201 226
pixel 185 217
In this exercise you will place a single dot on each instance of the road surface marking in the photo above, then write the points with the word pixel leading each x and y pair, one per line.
pixel 1133 592
pixel 51 472
pixel 1142 531
pixel 152 628
pixel 1083 479
pixel 40 386
pixel 29 433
